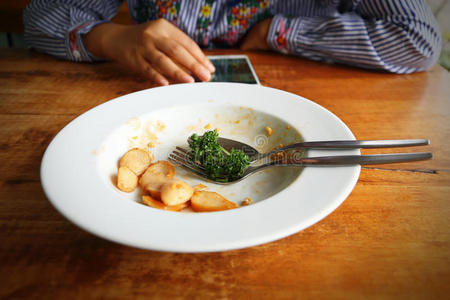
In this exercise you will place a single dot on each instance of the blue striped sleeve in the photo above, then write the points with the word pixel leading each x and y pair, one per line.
pixel 399 36
pixel 57 27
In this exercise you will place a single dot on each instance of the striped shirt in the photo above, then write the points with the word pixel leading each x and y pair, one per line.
pixel 399 36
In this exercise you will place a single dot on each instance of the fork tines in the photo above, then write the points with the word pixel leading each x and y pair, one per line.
pixel 183 159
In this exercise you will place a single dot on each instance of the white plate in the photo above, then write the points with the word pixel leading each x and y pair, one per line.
pixel 79 166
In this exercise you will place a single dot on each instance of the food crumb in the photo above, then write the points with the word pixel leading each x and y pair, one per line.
pixel 199 187
pixel 246 201
pixel 160 126
pixel 269 131
pixel 237 121
pixel 208 126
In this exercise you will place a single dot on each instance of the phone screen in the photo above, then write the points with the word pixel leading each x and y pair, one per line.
pixel 233 68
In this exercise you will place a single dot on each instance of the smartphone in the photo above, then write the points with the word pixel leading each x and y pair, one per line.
pixel 233 68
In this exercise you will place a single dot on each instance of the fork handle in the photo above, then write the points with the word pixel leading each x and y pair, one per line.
pixel 360 144
pixel 366 144
pixel 353 159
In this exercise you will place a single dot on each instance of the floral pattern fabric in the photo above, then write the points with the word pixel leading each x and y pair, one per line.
pixel 281 32
pixel 152 10
pixel 240 16
pixel 202 29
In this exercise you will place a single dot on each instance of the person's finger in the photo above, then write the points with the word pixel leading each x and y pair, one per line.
pixel 167 67
pixel 183 57
pixel 194 49
pixel 151 73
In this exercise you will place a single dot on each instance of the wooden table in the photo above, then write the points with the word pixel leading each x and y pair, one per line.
pixel 389 240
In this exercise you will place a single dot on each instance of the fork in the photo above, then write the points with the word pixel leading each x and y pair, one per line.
pixel 183 159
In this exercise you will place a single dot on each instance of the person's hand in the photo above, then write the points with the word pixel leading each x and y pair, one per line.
pixel 256 38
pixel 156 49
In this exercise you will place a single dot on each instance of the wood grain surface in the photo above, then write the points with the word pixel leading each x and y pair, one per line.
pixel 390 239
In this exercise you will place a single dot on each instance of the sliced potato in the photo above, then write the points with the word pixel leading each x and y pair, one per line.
pixel 137 160
pixel 156 194
pixel 176 192
pixel 127 180
pixel 158 204
pixel 210 201
pixel 156 175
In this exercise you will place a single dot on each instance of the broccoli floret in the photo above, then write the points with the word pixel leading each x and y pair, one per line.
pixel 218 162
pixel 235 164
